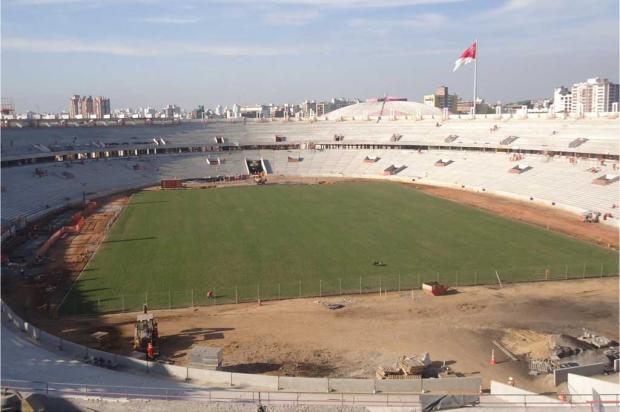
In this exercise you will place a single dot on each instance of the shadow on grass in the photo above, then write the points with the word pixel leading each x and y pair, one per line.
pixel 135 239
pixel 146 203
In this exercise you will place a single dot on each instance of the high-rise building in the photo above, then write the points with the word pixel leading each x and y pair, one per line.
pixel 101 106
pixel 308 108
pixel 442 99
pixel 74 106
pixel 593 95
pixel 86 106
pixel 562 99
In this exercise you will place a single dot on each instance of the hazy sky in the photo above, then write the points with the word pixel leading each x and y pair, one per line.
pixel 190 52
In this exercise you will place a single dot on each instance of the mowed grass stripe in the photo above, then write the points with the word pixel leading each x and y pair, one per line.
pixel 248 236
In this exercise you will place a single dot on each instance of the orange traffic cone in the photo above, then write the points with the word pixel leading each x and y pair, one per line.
pixel 493 362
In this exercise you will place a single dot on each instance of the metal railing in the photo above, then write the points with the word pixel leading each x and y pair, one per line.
pixel 89 303
pixel 217 395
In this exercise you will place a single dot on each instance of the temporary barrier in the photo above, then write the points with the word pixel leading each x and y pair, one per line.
pixel 257 381
pixel 394 386
pixel 292 384
pixel 204 375
pixel 453 385
pixel 351 385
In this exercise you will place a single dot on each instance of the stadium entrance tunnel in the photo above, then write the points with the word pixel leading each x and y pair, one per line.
pixel 255 167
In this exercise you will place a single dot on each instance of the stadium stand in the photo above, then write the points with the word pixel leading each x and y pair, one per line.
pixel 563 158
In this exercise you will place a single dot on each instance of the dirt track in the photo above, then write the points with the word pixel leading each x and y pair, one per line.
pixel 305 338
pixel 547 217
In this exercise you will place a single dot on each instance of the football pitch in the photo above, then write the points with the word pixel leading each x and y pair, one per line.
pixel 168 248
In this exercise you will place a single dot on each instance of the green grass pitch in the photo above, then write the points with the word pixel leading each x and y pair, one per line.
pixel 169 247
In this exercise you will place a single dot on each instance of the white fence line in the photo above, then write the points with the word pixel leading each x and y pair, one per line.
pixel 211 395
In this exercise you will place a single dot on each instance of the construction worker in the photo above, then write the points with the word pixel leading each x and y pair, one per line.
pixel 150 352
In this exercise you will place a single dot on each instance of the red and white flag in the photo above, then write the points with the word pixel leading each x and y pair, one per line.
pixel 466 57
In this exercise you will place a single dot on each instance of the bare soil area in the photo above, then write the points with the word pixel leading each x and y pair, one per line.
pixel 50 280
pixel 547 217
pixel 303 337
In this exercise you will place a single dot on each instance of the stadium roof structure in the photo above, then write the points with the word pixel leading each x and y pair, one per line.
pixel 383 107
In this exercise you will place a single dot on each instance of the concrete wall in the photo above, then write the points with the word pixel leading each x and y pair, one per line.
pixel 561 375
pixel 351 385
pixel 176 372
pixel 391 386
pixel 303 384
pixel 453 385
pixel 511 394
pixel 204 375
pixel 258 381
pixel 125 362
pixel 580 388
pixel 73 349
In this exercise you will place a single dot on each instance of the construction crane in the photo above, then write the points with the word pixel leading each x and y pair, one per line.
pixel 8 108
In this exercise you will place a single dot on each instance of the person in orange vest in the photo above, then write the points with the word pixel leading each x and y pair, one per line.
pixel 150 352
pixel 210 295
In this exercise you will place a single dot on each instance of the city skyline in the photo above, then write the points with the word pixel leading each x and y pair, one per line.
pixel 281 51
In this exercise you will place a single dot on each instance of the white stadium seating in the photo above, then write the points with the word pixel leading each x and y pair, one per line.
pixel 563 180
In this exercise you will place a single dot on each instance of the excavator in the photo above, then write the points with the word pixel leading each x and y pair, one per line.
pixel 146 335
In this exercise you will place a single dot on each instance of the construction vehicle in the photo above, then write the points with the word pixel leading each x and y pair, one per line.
pixel 435 288
pixel 260 179
pixel 146 333
pixel 591 216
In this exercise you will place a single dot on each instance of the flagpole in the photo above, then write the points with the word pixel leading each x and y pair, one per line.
pixel 475 78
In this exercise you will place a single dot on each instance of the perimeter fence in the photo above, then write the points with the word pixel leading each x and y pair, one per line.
pixel 211 395
pixel 90 302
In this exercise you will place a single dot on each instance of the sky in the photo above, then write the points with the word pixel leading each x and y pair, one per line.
pixel 187 52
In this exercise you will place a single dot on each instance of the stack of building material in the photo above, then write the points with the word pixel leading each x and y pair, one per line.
pixel 389 373
pixel 411 366
pixel 205 357
pixel 406 368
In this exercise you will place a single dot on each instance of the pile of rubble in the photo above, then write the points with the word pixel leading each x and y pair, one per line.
pixel 567 351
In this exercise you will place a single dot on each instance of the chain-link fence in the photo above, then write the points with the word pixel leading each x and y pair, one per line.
pixel 78 304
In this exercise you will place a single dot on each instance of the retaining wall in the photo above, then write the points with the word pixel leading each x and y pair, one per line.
pixel 510 394
pixel 561 375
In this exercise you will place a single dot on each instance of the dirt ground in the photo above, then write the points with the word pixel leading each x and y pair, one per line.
pixel 303 337
pixel 547 217
pixel 49 280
